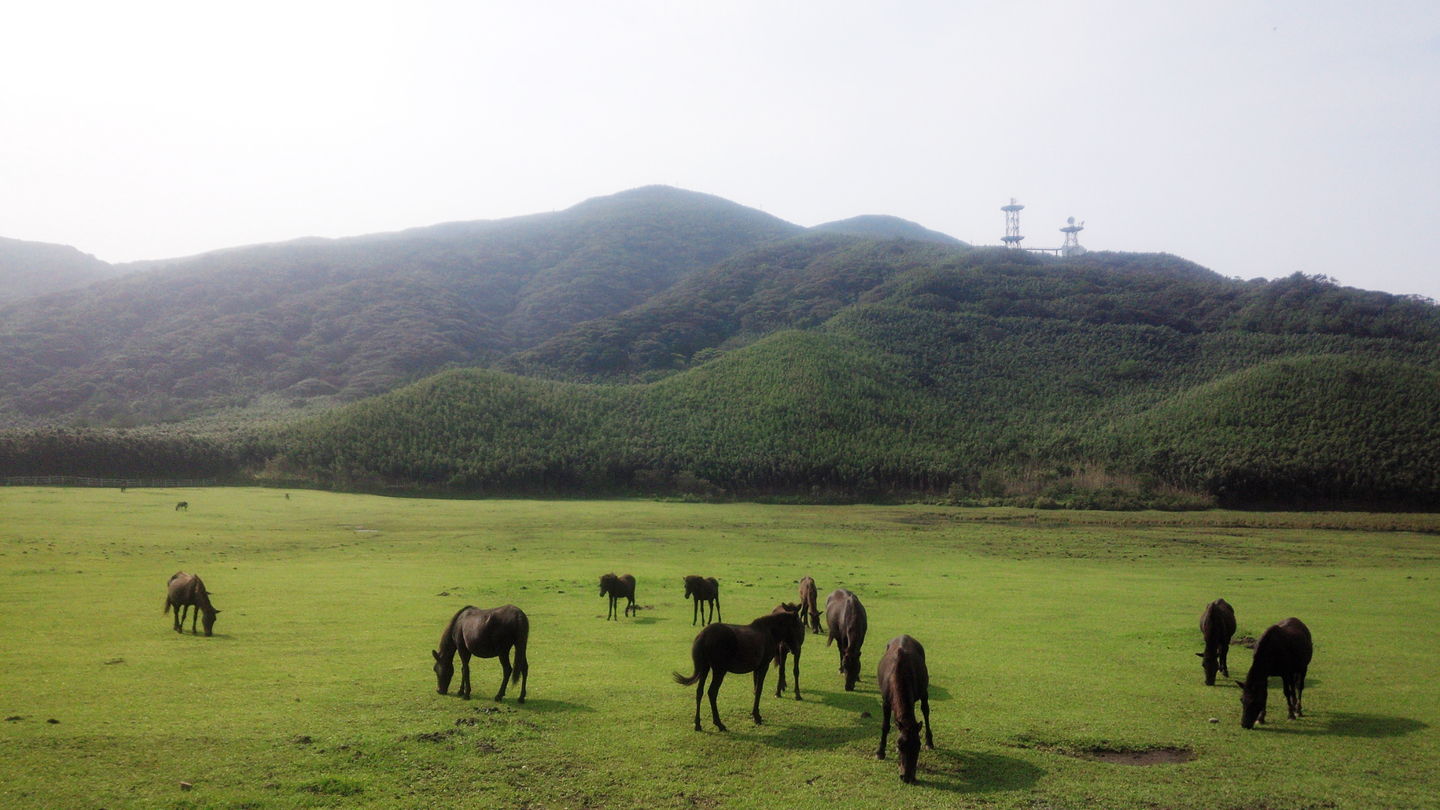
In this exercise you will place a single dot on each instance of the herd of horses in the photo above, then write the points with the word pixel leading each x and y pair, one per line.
pixel 1283 650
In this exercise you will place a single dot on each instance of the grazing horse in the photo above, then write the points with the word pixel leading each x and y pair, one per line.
pixel 703 589
pixel 809 597
pixel 487 634
pixel 845 617
pixel 1284 649
pixel 785 649
pixel 739 648
pixel 183 506
pixel 1217 625
pixel 184 592
pixel 617 587
pixel 904 680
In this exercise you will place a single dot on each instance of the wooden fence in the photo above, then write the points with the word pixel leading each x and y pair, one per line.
pixel 115 483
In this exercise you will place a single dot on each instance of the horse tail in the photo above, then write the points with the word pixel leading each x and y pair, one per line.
pixel 167 607
pixel 697 658
pixel 522 663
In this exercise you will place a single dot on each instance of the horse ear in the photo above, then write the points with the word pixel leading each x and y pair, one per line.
pixel 1199 655
pixel 435 653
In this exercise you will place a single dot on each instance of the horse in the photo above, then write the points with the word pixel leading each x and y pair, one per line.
pixel 487 634
pixel 808 599
pixel 184 592
pixel 1284 649
pixel 1217 625
pixel 785 649
pixel 845 617
pixel 739 648
pixel 617 587
pixel 705 589
pixel 183 506
pixel 903 680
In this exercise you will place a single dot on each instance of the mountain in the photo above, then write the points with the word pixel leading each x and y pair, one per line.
pixel 877 226
pixel 30 269
pixel 343 319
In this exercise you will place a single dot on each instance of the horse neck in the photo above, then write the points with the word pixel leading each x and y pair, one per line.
pixel 447 639
pixel 901 695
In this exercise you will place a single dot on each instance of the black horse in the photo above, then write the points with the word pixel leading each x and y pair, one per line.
pixel 1284 649
pixel 1217 625
pixel 785 649
pixel 739 648
pixel 487 634
pixel 845 617
pixel 617 587
pixel 904 680
pixel 185 591
pixel 703 589
pixel 809 598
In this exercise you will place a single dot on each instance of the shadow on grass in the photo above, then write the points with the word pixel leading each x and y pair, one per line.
pixel 546 706
pixel 1347 724
pixel 973 772
pixel 854 702
pixel 810 738
pixel 649 619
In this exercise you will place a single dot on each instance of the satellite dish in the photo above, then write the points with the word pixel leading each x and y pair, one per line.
pixel 1071 220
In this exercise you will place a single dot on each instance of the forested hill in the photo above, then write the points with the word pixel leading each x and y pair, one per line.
pixel 827 365
pixel 352 317
pixel 874 226
pixel 30 269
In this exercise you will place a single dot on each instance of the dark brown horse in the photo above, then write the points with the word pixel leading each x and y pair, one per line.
pixel 1217 625
pixel 809 598
pixel 784 650
pixel 904 680
pixel 486 634
pixel 703 589
pixel 183 506
pixel 184 592
pixel 1284 649
pixel 739 648
pixel 617 587
pixel 845 617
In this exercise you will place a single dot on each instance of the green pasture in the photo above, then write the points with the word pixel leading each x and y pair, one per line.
pixel 1050 635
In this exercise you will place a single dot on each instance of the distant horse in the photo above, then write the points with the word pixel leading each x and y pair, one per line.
pixel 739 648
pixel 487 634
pixel 845 617
pixel 1217 625
pixel 183 506
pixel 705 589
pixel 1284 649
pixel 184 592
pixel 904 680
pixel 785 649
pixel 809 597
pixel 617 587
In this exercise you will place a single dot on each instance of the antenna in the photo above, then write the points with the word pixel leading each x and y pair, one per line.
pixel 1012 235
pixel 1072 238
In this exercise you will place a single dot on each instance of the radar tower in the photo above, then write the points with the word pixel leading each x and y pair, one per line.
pixel 1072 238
pixel 1012 235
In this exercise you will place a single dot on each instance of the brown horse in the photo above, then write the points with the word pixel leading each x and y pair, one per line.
pixel 184 592
pixel 617 587
pixel 739 648
pixel 703 589
pixel 784 650
pixel 487 634
pixel 1217 625
pixel 183 506
pixel 904 680
pixel 1284 649
pixel 845 617
pixel 809 597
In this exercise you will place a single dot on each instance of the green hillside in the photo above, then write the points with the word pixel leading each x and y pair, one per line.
pixel 344 319
pixel 30 269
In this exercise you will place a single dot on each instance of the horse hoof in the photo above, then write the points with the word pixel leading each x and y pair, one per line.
pixel 879 754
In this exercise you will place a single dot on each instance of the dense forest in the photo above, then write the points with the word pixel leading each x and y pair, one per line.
pixel 747 358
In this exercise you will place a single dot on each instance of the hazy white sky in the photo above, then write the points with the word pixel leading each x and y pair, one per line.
pixel 1257 138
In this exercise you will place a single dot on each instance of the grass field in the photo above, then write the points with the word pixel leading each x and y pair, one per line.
pixel 1049 635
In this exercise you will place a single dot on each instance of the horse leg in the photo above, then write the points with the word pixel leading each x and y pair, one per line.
pixel 1299 694
pixel 178 628
pixel 780 681
pixel 797 673
pixel 759 687
pixel 715 690
pixel 701 671
pixel 925 710
pixel 464 673
pixel 695 613
pixel 504 674
pixel 884 724
pixel 1224 653
pixel 718 617
pixel 630 609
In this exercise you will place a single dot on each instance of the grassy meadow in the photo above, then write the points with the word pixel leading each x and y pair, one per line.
pixel 1050 636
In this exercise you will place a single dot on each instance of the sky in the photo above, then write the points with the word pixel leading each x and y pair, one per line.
pixel 1256 138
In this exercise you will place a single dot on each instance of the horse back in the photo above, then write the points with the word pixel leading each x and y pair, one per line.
pixel 184 588
pixel 846 618
pixel 736 648
pixel 1284 648
pixel 902 674
pixel 1217 623
pixel 493 631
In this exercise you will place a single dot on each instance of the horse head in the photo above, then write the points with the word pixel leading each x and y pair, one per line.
pixel 607 583
pixel 691 585
pixel 851 663
pixel 1252 705
pixel 907 741
pixel 208 619
pixel 1211 663
pixel 444 671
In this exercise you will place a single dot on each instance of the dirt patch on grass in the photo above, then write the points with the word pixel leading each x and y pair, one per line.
pixel 1150 756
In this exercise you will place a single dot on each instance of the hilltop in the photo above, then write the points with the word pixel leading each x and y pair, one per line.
pixel 31 269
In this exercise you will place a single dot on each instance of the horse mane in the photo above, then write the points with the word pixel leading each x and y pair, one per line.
pixel 450 626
